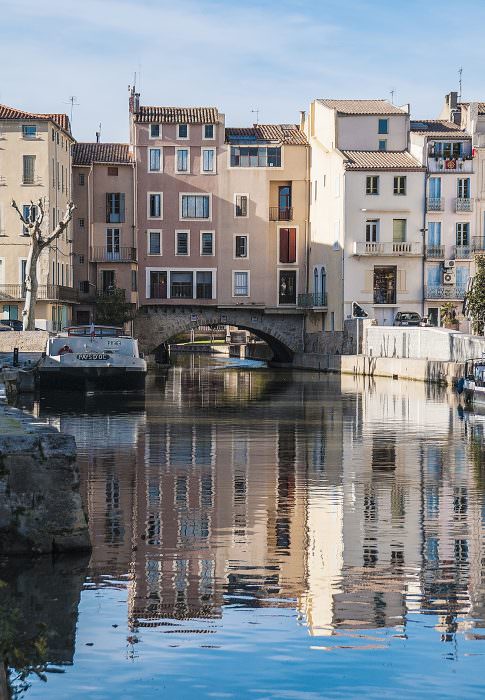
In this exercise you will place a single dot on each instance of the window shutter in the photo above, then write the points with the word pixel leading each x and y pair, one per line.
pixel 122 207
pixel 401 281
pixel 368 281
pixel 284 245
pixel 108 207
pixel 292 245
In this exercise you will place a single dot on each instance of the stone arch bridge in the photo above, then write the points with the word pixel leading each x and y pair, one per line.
pixel 155 325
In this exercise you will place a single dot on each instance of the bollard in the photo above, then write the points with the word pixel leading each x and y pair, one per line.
pixel 15 357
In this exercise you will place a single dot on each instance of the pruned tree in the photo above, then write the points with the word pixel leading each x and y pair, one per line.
pixel 38 241
pixel 112 309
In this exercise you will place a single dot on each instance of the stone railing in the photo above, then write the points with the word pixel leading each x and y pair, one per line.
pixel 387 248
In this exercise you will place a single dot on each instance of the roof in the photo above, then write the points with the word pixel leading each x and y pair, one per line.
pixel 61 120
pixel 177 115
pixel 88 153
pixel 380 160
pixel 438 128
pixel 481 106
pixel 288 134
pixel 347 107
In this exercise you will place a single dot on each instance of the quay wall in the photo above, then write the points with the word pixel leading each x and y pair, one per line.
pixel 421 343
pixel 25 341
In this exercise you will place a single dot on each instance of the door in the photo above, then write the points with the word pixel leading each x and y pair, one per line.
pixel 434 233
pixel 158 285
pixel 284 202
pixel 435 188
pixel 113 243
pixel 372 231
pixel 287 287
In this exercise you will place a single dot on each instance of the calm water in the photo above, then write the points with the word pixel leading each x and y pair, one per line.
pixel 267 535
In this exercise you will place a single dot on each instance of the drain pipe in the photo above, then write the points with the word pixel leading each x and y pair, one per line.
pixel 423 233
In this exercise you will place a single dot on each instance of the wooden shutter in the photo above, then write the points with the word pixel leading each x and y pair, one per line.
pixel 401 281
pixel 284 245
pixel 108 207
pixel 122 207
pixel 292 245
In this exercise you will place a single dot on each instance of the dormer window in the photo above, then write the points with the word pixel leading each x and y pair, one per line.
pixel 29 131
pixel 182 131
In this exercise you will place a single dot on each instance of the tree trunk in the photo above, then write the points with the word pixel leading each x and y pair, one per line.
pixel 31 286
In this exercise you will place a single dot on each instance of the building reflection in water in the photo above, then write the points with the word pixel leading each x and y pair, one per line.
pixel 356 503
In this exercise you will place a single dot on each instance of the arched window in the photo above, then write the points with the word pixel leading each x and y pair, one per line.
pixel 315 280
pixel 323 283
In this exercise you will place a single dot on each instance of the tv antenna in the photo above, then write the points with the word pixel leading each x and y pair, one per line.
pixel 393 92
pixel 74 103
pixel 460 82
pixel 256 112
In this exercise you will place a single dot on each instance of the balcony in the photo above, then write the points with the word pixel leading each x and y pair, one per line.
pixel 478 244
pixel 45 292
pixel 32 181
pixel 312 301
pixel 445 291
pixel 390 248
pixel 281 213
pixel 435 204
pixel 450 165
pixel 462 252
pixel 123 254
pixel 436 252
pixel 463 204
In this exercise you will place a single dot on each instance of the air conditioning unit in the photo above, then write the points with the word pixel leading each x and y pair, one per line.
pixel 449 276
pixel 448 264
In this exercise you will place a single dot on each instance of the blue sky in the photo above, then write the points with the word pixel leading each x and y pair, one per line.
pixel 270 55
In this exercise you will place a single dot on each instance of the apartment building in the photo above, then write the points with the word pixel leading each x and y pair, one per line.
pixel 105 239
pixel 35 163
pixel 366 212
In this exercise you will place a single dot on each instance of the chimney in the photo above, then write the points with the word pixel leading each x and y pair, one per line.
pixel 302 119
pixel 98 137
pixel 134 101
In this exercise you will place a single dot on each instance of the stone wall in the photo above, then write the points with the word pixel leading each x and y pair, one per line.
pixel 437 344
pixel 25 341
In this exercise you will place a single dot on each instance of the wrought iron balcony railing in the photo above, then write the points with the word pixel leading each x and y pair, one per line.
pixel 312 300
pixel 435 251
pixel 435 204
pixel 463 204
pixel 444 291
pixel 45 292
pixel 281 213
pixel 462 252
pixel 104 254
pixel 478 244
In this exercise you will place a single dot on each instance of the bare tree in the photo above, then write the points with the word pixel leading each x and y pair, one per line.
pixel 38 241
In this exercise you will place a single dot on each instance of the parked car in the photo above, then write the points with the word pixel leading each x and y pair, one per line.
pixel 407 318
pixel 14 325
pixel 5 328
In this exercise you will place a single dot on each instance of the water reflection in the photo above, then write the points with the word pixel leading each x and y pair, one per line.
pixel 357 504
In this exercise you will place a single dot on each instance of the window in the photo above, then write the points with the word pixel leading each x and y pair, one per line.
pixel 23 270
pixel 399 230
pixel 113 242
pixel 181 243
pixel 241 284
pixel 154 131
pixel 383 144
pixel 400 184
pixel 29 213
pixel 28 176
pixel 154 163
pixel 208 131
pixel 385 279
pixel 434 233
pixel 383 126
pixel 287 287
pixel 448 150
pixel 195 206
pixel 154 242
pixel 108 280
pixel 181 285
pixel 463 234
pixel 241 205
pixel 81 259
pixel 134 281
pixel 208 160
pixel 81 223
pixel 255 157
pixel 158 285
pixel 182 165
pixel 372 231
pixel 287 251
pixel 112 171
pixel 182 131
pixel 463 188
pixel 155 205
pixel 315 190
pixel 29 131
pixel 372 184
pixel 81 179
pixel 115 207
pixel 207 243
pixel 240 246
pixel 203 287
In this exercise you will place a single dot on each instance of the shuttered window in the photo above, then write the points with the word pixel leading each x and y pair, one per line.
pixel 28 170
pixel 399 230
pixel 287 245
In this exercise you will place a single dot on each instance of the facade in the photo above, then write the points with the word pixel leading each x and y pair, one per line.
pixel 35 163
pixel 105 248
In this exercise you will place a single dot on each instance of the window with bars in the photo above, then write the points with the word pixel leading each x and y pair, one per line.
pixel 241 284
pixel 241 247
pixel 115 207
pixel 287 248
pixel 241 205
pixel 195 206
pixel 372 184
pixel 154 243
pixel 182 243
pixel 81 179
pixel 207 243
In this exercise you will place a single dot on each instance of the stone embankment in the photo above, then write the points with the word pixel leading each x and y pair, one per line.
pixel 40 503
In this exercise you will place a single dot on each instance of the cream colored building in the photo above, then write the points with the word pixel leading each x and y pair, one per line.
pixel 35 163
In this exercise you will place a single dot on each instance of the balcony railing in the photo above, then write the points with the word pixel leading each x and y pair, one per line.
pixel 103 254
pixel 31 180
pixel 45 292
pixel 462 252
pixel 388 248
pixel 3 180
pixel 478 244
pixel 463 204
pixel 435 251
pixel 281 213
pixel 311 301
pixel 444 291
pixel 435 204
pixel 453 165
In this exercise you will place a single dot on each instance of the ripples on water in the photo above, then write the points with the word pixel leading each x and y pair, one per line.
pixel 269 535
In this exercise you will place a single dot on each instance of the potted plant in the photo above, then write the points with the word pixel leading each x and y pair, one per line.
pixel 448 316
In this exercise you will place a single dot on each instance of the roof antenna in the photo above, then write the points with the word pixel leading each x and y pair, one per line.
pixel 392 91
pixel 74 103
pixel 460 83
pixel 98 134
pixel 256 112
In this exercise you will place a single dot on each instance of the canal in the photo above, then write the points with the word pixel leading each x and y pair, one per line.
pixel 263 534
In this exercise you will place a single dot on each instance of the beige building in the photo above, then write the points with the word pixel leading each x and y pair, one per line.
pixel 35 163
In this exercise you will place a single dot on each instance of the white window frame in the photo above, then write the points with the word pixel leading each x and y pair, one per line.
pixel 195 194
pixel 241 296
pixel 21 260
pixel 182 172
pixel 155 218
pixel 213 233
pixel 155 148
pixel 237 257
pixel 241 194
pixel 154 138
pixel 177 231
pixel 297 228
pixel 193 270
pixel 214 161
pixel 159 231
pixel 207 138
pixel 283 267
pixel 182 138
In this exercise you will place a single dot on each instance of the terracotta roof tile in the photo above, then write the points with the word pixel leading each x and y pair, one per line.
pixel 177 115
pixel 289 134
pixel 88 153
pixel 481 106
pixel 438 128
pixel 62 120
pixel 380 160
pixel 363 106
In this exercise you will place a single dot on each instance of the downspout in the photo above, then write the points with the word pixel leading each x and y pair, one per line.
pixel 423 233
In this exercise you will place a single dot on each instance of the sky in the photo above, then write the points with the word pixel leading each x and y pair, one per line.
pixel 274 56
